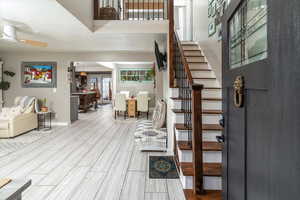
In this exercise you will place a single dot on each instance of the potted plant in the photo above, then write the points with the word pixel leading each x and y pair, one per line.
pixel 5 85
pixel 44 107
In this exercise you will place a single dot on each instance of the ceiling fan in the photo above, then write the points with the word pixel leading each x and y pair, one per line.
pixel 10 34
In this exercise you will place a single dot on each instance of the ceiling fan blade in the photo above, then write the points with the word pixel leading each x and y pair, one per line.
pixel 34 43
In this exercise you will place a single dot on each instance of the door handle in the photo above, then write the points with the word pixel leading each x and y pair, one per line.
pixel 220 139
pixel 222 122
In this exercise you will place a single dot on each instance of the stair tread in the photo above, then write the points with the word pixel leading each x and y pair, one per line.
pixel 205 127
pixel 193 56
pixel 189 44
pixel 209 169
pixel 201 62
pixel 204 111
pixel 205 99
pixel 191 49
pixel 212 88
pixel 208 78
pixel 209 195
pixel 207 146
pixel 212 99
pixel 209 70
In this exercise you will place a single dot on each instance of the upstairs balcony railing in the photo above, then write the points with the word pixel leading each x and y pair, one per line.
pixel 131 9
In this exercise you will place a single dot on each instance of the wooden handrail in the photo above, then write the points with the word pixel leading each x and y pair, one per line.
pixel 184 61
pixel 195 108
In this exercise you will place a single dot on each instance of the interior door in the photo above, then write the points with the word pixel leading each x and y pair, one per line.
pixel 261 51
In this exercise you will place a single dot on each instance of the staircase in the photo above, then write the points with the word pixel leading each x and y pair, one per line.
pixel 198 154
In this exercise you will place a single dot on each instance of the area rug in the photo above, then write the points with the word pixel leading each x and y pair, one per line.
pixel 162 167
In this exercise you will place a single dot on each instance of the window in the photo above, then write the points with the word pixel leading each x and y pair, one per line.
pixel 248 33
pixel 136 75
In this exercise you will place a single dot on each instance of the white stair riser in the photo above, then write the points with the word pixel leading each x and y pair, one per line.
pixel 206 118
pixel 209 136
pixel 212 93
pixel 190 47
pixel 198 66
pixel 183 43
pixel 192 53
pixel 206 105
pixel 174 92
pixel 208 156
pixel 212 105
pixel 210 182
pixel 195 59
pixel 203 74
pixel 207 82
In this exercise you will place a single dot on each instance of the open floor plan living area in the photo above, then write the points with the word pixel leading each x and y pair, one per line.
pixel 149 100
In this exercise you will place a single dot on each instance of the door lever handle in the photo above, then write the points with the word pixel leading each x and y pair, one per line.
pixel 222 122
pixel 220 139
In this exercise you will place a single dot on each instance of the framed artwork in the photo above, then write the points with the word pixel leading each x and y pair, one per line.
pixel 137 75
pixel 213 9
pixel 38 74
pixel 211 29
pixel 209 10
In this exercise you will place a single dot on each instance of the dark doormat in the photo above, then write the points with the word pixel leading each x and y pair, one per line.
pixel 162 167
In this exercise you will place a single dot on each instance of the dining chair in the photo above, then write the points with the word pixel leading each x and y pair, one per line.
pixel 120 105
pixel 143 104
pixel 127 93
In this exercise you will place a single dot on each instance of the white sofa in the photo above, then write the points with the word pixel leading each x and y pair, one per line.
pixel 19 124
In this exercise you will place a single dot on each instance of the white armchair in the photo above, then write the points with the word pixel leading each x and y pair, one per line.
pixel 127 93
pixel 14 122
pixel 143 103
pixel 120 104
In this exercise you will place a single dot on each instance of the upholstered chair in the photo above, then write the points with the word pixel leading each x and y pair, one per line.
pixel 143 104
pixel 127 93
pixel 120 104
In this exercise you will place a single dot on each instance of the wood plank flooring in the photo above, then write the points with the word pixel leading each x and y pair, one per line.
pixel 93 159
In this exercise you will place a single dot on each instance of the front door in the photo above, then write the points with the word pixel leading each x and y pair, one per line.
pixel 261 100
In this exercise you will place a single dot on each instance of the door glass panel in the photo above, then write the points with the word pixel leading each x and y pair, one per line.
pixel 248 33
pixel 236 40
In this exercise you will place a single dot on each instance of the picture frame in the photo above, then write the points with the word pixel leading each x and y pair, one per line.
pixel 213 9
pixel 209 10
pixel 211 29
pixel 39 74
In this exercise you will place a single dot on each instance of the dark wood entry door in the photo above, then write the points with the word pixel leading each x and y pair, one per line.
pixel 262 138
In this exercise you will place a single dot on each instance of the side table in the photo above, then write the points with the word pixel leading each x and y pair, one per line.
pixel 44 120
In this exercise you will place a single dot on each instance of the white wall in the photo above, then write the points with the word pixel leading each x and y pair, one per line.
pixel 84 12
pixel 91 67
pixel 210 46
pixel 59 101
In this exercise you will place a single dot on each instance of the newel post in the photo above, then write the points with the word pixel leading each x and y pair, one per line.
pixel 171 43
pixel 197 138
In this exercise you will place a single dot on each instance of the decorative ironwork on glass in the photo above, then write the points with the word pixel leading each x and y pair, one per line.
pixel 248 33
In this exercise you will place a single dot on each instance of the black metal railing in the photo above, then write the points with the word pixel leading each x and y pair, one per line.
pixel 184 84
pixel 191 105
pixel 131 9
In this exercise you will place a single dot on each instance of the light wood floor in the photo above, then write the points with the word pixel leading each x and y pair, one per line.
pixel 93 159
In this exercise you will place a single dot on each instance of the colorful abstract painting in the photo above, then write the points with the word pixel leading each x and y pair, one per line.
pixel 38 74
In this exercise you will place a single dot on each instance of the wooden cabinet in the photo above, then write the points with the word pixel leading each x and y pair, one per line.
pixel 131 108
